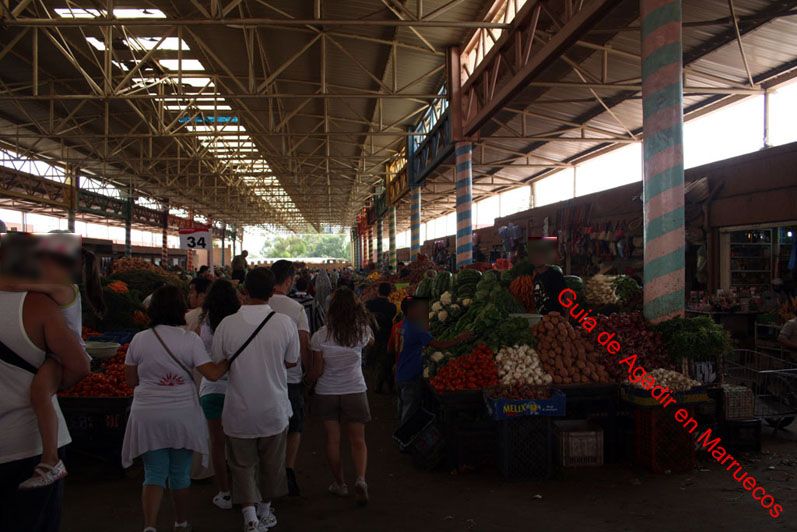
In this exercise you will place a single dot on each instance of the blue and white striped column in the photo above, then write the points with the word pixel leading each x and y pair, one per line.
pixel 463 152
pixel 379 263
pixel 391 238
pixel 415 222
pixel 663 181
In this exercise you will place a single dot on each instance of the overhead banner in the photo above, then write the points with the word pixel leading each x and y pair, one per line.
pixel 197 237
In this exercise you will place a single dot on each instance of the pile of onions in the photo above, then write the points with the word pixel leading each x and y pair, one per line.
pixel 520 365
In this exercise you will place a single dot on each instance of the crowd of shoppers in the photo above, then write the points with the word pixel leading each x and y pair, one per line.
pixel 221 373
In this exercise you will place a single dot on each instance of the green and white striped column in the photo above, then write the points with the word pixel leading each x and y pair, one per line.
pixel 379 243
pixel 355 251
pixel 663 182
pixel 415 222
pixel 391 238
pixel 463 152
pixel 369 247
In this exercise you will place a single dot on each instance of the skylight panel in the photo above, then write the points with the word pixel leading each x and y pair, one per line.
pixel 69 12
pixel 148 43
pixel 188 64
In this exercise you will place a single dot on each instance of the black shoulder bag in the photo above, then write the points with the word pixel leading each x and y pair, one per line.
pixel 251 337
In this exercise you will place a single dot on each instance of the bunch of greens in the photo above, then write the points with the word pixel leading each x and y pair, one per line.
pixel 695 339
pixel 627 291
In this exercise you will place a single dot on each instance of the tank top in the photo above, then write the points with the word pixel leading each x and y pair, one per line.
pixel 73 314
pixel 19 432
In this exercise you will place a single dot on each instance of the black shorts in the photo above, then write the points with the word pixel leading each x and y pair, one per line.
pixel 296 396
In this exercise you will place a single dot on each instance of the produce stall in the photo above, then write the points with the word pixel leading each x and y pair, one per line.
pixel 531 394
pixel 96 409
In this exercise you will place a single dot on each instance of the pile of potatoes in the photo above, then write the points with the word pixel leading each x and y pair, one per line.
pixel 566 355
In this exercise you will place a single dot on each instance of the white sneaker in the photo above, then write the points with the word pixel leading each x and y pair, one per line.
pixel 267 519
pixel 341 490
pixel 44 475
pixel 255 526
pixel 223 501
pixel 361 492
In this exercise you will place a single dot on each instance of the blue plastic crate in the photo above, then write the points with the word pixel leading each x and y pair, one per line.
pixel 501 408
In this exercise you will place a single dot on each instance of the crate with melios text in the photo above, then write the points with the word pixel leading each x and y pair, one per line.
pixel 506 404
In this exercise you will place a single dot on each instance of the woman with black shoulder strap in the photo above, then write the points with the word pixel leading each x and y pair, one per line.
pixel 166 425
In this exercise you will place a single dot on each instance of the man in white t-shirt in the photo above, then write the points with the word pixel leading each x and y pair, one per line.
pixel 284 276
pixel 256 407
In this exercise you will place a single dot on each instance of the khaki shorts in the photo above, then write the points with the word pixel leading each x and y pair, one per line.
pixel 346 408
pixel 257 468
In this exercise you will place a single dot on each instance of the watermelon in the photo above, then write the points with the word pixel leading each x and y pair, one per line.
pixel 506 277
pixel 490 275
pixel 442 283
pixel 424 288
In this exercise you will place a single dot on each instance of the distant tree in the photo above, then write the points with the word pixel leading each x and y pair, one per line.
pixel 292 246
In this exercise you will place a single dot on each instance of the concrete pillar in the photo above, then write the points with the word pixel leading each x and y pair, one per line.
pixel 223 242
pixel 379 262
pixel 369 246
pixel 73 182
pixel 164 236
pixel 415 222
pixel 463 152
pixel 189 259
pixel 129 225
pixel 663 181
pixel 210 244
pixel 391 237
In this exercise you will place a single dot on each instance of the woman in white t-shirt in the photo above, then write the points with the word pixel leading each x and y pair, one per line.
pixel 340 396
pixel 166 424
pixel 221 301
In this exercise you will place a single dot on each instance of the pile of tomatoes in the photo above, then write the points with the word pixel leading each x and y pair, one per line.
pixel 109 382
pixel 474 371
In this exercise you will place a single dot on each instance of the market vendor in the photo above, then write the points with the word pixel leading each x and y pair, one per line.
pixel 788 336
pixel 548 280
pixel 415 337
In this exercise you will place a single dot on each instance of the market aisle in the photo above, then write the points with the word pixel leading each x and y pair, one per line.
pixel 612 498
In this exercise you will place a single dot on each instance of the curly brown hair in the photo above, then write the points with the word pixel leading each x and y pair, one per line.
pixel 347 318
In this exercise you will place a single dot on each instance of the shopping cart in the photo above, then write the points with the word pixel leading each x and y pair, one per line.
pixel 773 381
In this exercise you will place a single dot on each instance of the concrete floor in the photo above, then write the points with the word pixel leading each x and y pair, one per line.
pixel 612 498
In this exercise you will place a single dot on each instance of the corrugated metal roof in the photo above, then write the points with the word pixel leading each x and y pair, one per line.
pixel 712 59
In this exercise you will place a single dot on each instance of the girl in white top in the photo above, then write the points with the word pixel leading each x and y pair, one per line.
pixel 166 424
pixel 340 388
pixel 59 255
pixel 221 301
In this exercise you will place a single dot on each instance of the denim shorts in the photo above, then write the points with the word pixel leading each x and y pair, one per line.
pixel 212 405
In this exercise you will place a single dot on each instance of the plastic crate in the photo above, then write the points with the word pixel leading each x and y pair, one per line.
pixel 472 444
pixel 580 443
pixel 525 448
pixel 97 426
pixel 661 444
pixel 738 402
pixel 741 435
pixel 422 437
pixel 501 408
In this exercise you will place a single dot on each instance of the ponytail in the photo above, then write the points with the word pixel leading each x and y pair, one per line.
pixel 91 282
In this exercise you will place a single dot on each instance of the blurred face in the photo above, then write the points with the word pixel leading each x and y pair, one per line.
pixel 541 255
pixel 54 271
pixel 194 299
